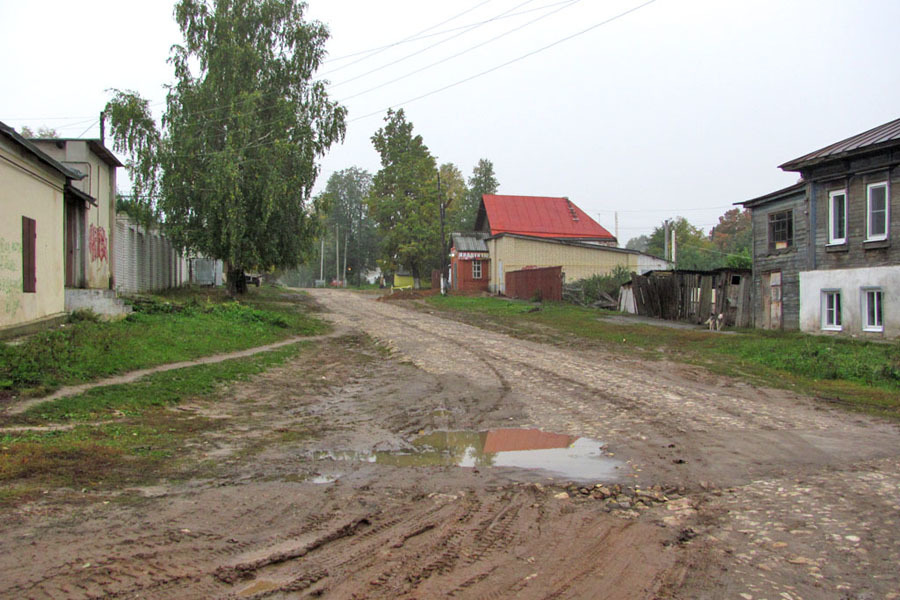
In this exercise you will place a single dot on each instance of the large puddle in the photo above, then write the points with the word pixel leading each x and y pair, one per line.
pixel 551 454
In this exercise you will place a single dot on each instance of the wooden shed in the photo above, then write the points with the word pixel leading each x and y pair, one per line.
pixel 695 296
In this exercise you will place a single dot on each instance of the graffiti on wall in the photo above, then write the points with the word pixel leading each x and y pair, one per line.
pixel 10 276
pixel 98 243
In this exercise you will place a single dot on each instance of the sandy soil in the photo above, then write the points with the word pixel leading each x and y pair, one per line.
pixel 746 492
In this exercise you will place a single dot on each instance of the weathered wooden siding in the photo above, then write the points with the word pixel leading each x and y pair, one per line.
pixel 789 261
pixel 856 252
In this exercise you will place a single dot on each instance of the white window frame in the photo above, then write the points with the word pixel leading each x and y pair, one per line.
pixel 832 197
pixel 878 293
pixel 836 324
pixel 887 212
pixel 476 273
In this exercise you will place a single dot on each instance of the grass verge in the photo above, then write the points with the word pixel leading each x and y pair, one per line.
pixel 861 375
pixel 144 443
pixel 187 323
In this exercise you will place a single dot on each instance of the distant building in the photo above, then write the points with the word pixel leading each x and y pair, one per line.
pixel 522 232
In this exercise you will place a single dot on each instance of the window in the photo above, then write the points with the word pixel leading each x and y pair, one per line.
pixel 831 310
pixel 837 217
pixel 877 211
pixel 781 230
pixel 29 255
pixel 873 318
pixel 476 269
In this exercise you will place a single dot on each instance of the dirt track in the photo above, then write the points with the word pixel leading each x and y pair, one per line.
pixel 781 498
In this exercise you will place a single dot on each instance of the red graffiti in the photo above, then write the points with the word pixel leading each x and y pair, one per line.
pixel 98 243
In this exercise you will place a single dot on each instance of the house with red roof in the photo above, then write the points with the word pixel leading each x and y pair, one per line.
pixel 529 232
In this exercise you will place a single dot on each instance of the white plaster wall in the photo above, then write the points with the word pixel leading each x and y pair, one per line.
pixel 851 283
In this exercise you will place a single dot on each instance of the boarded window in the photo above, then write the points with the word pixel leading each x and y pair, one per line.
pixel 29 255
pixel 781 230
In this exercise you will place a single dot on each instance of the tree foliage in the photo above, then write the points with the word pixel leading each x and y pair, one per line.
pixel 734 233
pixel 404 200
pixel 345 198
pixel 233 167
pixel 693 248
pixel 41 133
pixel 483 181
pixel 639 243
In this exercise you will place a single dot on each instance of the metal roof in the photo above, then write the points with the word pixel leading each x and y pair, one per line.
pixel 469 242
pixel 541 216
pixel 94 144
pixel 38 153
pixel 883 135
pixel 776 195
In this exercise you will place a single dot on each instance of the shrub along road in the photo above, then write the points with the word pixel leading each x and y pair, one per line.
pixel 304 479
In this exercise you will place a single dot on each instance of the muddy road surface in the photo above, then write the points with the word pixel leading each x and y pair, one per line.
pixel 336 476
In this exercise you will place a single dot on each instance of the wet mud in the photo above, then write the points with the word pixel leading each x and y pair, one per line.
pixel 417 457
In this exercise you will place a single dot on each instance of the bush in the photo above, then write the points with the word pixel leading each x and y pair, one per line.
pixel 593 287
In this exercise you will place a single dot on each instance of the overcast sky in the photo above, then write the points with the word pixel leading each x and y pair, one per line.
pixel 680 107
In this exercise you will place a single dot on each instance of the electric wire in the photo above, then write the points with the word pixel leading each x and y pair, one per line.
pixel 443 31
pixel 458 54
pixel 427 29
pixel 507 63
pixel 425 49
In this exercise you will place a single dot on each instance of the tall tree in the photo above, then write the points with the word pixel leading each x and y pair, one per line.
pixel 233 168
pixel 453 192
pixel 693 248
pixel 345 197
pixel 734 232
pixel 638 243
pixel 483 181
pixel 404 200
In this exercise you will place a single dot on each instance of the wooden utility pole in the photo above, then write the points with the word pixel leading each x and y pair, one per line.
pixel 322 259
pixel 337 253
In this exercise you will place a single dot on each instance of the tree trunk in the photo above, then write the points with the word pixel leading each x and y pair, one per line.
pixel 237 284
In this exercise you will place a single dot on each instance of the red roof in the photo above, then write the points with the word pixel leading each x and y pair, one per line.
pixel 541 216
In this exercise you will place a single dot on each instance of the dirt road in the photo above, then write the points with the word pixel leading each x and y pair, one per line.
pixel 312 484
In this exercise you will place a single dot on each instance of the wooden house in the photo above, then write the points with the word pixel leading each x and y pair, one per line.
pixel 842 220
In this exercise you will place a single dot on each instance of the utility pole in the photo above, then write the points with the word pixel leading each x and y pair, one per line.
pixel 322 261
pixel 617 229
pixel 102 127
pixel 673 246
pixel 666 239
pixel 344 274
pixel 443 250
pixel 337 253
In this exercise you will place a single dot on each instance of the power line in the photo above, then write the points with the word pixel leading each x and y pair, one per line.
pixel 443 31
pixel 425 49
pixel 507 63
pixel 467 50
pixel 664 209
pixel 379 51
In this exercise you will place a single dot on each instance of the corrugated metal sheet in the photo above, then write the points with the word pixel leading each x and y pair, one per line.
pixel 541 216
pixel 470 242
pixel 889 132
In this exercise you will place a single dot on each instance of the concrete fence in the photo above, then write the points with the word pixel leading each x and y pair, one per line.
pixel 145 260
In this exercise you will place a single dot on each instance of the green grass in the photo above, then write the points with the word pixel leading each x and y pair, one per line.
pixel 186 324
pixel 144 441
pixel 863 375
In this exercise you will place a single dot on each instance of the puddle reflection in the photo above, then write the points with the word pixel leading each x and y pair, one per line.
pixel 556 455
